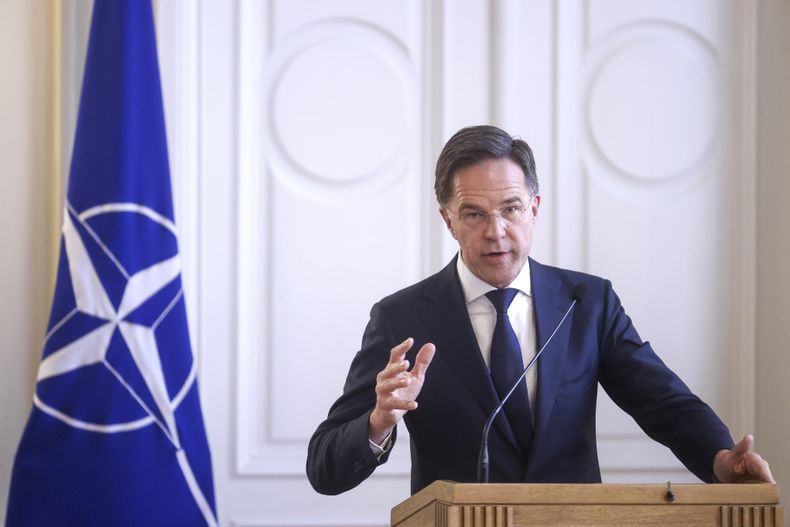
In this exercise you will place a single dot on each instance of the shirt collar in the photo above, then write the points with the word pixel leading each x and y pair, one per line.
pixel 474 288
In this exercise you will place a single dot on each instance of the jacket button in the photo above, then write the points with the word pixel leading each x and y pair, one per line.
pixel 358 466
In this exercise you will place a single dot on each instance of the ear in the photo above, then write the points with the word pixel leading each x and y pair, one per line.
pixel 535 206
pixel 447 221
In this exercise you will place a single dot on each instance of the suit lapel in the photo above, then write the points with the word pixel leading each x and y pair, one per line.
pixel 550 302
pixel 448 319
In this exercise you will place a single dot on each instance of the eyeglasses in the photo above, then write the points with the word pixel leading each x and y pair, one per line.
pixel 510 215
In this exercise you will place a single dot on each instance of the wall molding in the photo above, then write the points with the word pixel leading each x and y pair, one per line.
pixel 252 19
pixel 178 44
pixel 743 352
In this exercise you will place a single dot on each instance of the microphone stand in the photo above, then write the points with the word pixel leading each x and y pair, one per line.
pixel 483 459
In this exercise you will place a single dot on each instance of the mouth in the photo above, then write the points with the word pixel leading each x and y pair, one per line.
pixel 496 255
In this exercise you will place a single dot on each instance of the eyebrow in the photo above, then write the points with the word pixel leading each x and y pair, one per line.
pixel 472 206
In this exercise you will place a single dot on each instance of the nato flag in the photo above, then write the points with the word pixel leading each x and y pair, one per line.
pixel 115 435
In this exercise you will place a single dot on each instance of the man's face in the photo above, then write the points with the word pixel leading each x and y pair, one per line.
pixel 485 214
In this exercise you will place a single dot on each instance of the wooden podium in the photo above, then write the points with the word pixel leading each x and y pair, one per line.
pixel 449 504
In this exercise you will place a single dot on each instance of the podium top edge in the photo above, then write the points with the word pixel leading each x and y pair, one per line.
pixel 592 493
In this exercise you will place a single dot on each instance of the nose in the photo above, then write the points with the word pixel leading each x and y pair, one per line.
pixel 495 227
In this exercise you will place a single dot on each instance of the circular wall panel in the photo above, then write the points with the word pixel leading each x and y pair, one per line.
pixel 339 108
pixel 652 104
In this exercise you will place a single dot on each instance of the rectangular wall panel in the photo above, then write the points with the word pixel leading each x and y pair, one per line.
pixel 646 195
pixel 331 206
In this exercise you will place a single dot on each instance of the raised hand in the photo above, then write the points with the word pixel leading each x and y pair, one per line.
pixel 397 388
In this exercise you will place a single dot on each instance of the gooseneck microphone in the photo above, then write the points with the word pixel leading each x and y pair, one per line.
pixel 482 462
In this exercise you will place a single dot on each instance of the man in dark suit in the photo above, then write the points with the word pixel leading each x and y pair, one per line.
pixel 476 324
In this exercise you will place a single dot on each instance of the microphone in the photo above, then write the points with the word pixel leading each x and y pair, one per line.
pixel 482 462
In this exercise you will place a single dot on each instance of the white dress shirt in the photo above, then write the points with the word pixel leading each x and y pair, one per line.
pixel 483 317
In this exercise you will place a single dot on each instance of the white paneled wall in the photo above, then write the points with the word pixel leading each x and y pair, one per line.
pixel 311 198
pixel 302 139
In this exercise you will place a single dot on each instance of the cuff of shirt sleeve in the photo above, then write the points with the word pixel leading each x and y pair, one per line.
pixel 383 448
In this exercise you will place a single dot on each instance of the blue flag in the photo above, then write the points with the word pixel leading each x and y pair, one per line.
pixel 116 436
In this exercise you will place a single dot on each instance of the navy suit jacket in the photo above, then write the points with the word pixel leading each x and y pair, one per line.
pixel 597 344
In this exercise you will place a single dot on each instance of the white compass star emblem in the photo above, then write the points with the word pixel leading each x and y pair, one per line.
pixel 92 299
pixel 91 348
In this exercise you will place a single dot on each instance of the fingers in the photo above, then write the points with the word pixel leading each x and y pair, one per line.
pixel 387 390
pixel 743 446
pixel 396 364
pixel 758 468
pixel 394 389
pixel 423 360
pixel 393 404
pixel 390 384
pixel 393 370
pixel 398 353
pixel 742 464
pixel 389 407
